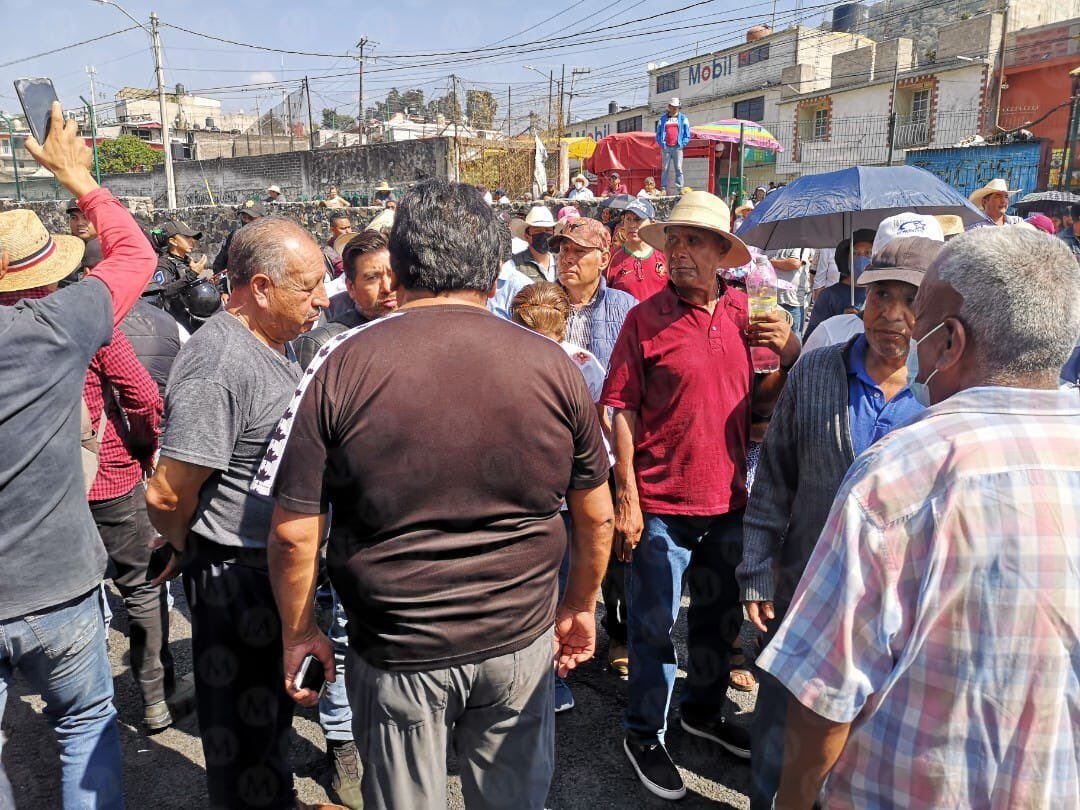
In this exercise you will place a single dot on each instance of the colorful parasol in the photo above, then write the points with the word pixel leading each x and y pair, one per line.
pixel 754 135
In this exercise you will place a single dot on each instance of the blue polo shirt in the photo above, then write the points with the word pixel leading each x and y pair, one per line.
pixel 869 415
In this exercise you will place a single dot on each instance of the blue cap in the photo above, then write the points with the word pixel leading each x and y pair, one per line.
pixel 643 208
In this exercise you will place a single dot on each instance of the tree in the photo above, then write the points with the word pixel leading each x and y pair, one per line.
pixel 480 107
pixel 332 119
pixel 127 154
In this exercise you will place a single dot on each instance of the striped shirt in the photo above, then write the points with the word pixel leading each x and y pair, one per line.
pixel 940 611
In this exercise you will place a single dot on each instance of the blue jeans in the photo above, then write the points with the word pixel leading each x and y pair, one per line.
pixel 798 318
pixel 335 715
pixel 767 731
pixel 62 653
pixel 673 156
pixel 704 551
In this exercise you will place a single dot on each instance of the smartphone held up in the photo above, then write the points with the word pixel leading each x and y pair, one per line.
pixel 36 97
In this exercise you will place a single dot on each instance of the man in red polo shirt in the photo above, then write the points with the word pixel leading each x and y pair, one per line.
pixel 683 386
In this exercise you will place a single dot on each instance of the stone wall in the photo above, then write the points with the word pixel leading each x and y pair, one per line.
pixel 215 222
pixel 301 174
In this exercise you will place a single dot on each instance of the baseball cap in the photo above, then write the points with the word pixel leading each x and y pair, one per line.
pixel 584 231
pixel 642 207
pixel 73 205
pixel 905 259
pixel 904 225
pixel 175 227
pixel 252 209
pixel 1042 222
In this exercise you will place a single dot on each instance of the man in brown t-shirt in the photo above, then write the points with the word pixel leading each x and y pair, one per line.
pixel 446 440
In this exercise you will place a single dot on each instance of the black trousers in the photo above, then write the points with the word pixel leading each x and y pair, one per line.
pixel 244 713
pixel 125 530
pixel 613 590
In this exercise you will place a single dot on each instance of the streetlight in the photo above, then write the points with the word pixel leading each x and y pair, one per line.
pixel 14 157
pixel 159 75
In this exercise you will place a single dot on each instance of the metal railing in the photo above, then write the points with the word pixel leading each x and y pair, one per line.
pixel 911 132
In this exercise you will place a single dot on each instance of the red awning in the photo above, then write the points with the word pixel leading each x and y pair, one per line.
pixel 636 151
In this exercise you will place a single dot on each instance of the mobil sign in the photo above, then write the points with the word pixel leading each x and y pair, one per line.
pixel 711 69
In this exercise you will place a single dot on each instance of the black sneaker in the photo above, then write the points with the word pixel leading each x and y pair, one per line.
pixel 734 738
pixel 655 769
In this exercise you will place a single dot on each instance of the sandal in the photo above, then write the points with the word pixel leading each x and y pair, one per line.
pixel 740 678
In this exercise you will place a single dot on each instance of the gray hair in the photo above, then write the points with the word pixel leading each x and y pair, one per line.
pixel 259 247
pixel 1021 292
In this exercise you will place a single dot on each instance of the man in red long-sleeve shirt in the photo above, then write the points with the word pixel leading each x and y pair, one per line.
pixel 51 557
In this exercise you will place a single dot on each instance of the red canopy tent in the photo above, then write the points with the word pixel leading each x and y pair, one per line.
pixel 636 155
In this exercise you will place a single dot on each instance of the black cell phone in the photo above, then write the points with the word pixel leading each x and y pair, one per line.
pixel 311 675
pixel 159 560
pixel 37 97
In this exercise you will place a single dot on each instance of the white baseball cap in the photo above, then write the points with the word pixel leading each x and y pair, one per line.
pixel 674 102
pixel 905 225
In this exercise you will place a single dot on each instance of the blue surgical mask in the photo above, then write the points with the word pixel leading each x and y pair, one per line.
pixel 861 263
pixel 920 390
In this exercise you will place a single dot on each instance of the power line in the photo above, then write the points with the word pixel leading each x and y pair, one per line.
pixel 66 47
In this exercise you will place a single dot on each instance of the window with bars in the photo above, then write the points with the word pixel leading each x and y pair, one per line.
pixel 629 124
pixel 821 124
pixel 751 109
pixel 920 106
pixel 754 55
pixel 666 82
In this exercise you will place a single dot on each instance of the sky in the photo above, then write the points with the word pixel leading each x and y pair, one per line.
pixel 542 36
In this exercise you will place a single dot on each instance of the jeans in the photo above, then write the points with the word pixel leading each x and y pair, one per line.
pixel 767 728
pixel 673 156
pixel 244 712
pixel 704 550
pixel 125 530
pixel 335 715
pixel 497 713
pixel 62 653
pixel 798 318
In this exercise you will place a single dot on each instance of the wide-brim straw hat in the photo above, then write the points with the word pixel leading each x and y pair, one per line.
pixel 997 185
pixel 700 209
pixel 35 256
pixel 383 186
pixel 745 207
pixel 951 224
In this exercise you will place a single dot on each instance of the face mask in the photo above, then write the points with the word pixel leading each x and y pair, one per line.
pixel 579 186
pixel 861 263
pixel 541 242
pixel 920 390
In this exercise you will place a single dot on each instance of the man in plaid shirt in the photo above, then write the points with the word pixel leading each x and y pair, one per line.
pixel 931 647
pixel 117 381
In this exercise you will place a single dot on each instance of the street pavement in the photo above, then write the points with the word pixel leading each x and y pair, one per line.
pixel 165 771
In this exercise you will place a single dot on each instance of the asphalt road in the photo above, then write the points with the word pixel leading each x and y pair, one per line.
pixel 165 771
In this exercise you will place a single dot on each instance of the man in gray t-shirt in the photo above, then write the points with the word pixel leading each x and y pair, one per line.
pixel 230 384
pixel 226 393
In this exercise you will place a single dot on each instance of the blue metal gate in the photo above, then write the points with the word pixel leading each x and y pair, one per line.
pixel 967 168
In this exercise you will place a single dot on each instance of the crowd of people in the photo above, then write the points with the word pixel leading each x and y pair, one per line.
pixel 419 454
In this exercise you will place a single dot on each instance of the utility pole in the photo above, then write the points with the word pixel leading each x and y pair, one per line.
pixel 454 114
pixel 14 156
pixel 360 100
pixel 574 73
pixel 1001 68
pixel 562 87
pixel 892 107
pixel 310 118
pixel 92 106
pixel 508 112
pixel 159 75
pixel 551 89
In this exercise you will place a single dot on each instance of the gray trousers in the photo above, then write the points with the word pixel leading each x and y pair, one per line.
pixel 497 715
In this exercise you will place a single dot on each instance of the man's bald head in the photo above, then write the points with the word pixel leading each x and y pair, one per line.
pixel 272 246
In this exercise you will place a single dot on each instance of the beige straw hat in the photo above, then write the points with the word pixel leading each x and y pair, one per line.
pixel 35 257
pixel 700 209
pixel 997 185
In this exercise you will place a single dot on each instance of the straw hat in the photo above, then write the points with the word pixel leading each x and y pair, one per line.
pixel 951 224
pixel 700 209
pixel 581 177
pixel 35 257
pixel 383 186
pixel 993 187
pixel 273 189
pixel 744 208
pixel 384 219
pixel 538 217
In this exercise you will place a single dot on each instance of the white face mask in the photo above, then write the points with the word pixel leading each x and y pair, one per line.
pixel 920 390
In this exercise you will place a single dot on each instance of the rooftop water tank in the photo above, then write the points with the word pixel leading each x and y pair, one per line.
pixel 850 18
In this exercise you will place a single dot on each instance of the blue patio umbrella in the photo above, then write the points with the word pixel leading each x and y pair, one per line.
pixel 821 210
